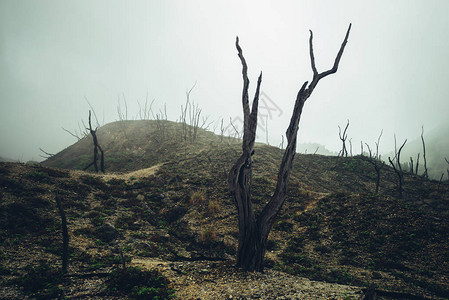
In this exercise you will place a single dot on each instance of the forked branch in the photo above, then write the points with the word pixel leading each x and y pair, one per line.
pixel 317 76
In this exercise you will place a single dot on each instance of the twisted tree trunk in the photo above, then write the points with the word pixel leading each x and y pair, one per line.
pixel 253 233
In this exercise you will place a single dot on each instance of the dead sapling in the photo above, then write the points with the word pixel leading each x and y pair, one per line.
pixel 343 152
pixel 398 169
pixel 425 174
pixel 97 148
pixel 375 161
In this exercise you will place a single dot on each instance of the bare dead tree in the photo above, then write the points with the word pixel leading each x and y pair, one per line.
pixel 361 148
pixel 96 148
pixel 448 168
pixel 398 169
pixel 425 174
pixel 184 116
pixel 221 130
pixel 411 165
pixel 122 116
pixel 190 118
pixel 377 144
pixel 144 112
pixel 236 131
pixel 65 234
pixel 196 112
pixel 395 150
pixel 281 146
pixel 350 146
pixel 204 124
pixel 417 164
pixel 343 137
pixel 253 232
pixel 375 161
pixel 160 119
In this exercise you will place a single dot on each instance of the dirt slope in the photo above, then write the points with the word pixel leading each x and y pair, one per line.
pixel 176 214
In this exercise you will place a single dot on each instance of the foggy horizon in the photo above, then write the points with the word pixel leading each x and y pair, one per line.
pixel 56 54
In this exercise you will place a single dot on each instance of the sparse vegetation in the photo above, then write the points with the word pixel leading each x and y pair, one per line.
pixel 197 197
pixel 332 227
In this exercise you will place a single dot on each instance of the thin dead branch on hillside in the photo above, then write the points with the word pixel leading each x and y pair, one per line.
pixel 398 169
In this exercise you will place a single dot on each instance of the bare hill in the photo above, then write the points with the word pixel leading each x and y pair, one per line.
pixel 132 145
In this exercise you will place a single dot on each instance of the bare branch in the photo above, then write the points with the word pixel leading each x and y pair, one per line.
pixel 245 98
pixel 72 134
pixel 377 144
pixel 237 133
pixel 317 76
pixel 93 110
pixel 48 155
pixel 312 56
pixel 369 150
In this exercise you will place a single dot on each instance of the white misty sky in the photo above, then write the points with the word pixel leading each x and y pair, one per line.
pixel 53 54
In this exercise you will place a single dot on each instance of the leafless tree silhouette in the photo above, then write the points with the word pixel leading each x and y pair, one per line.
pixel 425 174
pixel 375 161
pixel 253 232
pixel 96 148
pixel 398 169
pixel 343 137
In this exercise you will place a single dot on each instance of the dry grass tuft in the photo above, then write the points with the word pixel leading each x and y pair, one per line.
pixel 197 197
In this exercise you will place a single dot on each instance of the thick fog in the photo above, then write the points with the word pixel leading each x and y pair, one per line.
pixel 56 54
